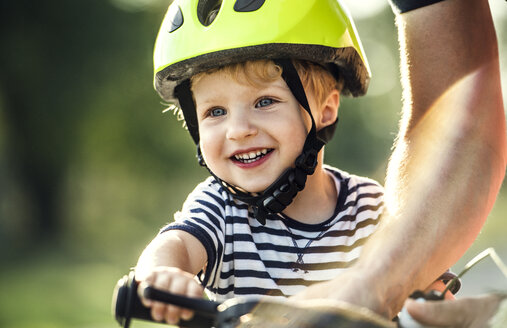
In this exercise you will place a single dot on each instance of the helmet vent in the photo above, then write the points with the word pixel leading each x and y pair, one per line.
pixel 248 5
pixel 207 11
pixel 175 18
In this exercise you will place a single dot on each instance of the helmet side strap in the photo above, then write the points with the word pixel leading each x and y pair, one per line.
pixel 184 95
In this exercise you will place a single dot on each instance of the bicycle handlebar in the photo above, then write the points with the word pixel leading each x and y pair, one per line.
pixel 240 312
pixel 201 306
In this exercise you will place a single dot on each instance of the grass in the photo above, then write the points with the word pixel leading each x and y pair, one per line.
pixel 52 291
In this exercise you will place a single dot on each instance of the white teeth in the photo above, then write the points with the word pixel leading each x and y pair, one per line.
pixel 251 156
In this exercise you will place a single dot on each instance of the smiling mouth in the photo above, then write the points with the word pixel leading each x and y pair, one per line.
pixel 252 156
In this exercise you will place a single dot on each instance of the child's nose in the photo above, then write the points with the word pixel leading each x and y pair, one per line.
pixel 240 126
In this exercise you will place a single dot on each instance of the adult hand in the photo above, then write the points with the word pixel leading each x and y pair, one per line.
pixel 372 294
pixel 471 312
pixel 345 288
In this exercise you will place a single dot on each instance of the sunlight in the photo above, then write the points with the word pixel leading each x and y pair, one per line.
pixel 365 8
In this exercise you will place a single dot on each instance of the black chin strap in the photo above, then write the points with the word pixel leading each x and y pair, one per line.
pixel 282 192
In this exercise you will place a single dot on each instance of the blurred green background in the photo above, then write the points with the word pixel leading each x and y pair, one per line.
pixel 90 168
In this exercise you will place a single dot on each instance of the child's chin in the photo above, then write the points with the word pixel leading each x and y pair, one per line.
pixel 259 186
pixel 253 189
pixel 255 186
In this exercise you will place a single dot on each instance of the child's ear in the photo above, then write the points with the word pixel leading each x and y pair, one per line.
pixel 329 109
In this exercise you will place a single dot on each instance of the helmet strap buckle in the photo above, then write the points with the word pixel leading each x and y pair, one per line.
pixel 307 161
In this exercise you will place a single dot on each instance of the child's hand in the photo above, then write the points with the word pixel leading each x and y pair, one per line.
pixel 175 281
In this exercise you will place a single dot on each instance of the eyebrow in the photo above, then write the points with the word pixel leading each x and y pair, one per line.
pixel 208 101
pixel 217 98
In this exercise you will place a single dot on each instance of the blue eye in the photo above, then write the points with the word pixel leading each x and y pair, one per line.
pixel 264 102
pixel 217 112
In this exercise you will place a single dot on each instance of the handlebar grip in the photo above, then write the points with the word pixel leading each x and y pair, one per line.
pixel 127 305
pixel 201 306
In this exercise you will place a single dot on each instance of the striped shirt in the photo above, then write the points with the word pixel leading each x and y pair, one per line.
pixel 283 256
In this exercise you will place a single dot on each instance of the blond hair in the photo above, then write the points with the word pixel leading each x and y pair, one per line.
pixel 316 79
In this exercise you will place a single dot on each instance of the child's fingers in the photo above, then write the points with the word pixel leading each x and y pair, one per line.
pixel 144 281
pixel 193 290
pixel 140 293
pixel 162 281
pixel 178 285
pixel 176 282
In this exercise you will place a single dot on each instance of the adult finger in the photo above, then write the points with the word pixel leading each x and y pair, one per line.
pixel 436 313
pixel 464 313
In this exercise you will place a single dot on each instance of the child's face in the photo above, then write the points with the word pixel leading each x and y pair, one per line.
pixel 248 134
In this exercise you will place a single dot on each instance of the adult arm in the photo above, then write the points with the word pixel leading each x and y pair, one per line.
pixel 449 158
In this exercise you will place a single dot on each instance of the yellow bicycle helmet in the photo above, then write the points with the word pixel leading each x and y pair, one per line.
pixel 197 35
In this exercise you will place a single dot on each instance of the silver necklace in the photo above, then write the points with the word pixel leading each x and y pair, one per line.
pixel 301 251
